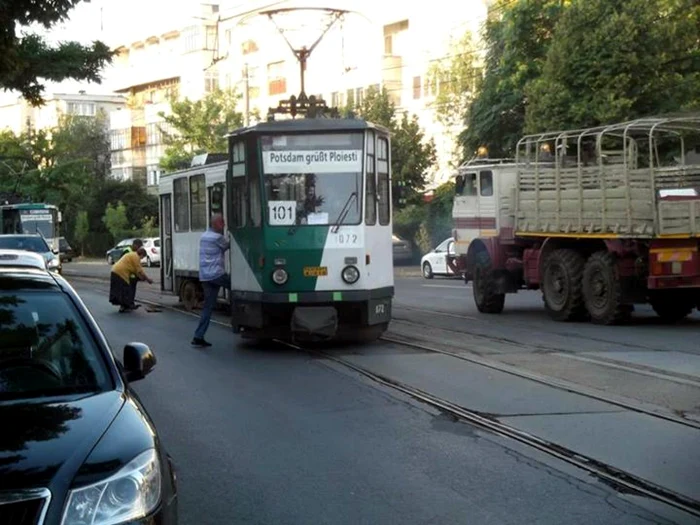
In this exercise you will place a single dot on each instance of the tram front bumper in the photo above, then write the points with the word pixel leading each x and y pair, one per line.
pixel 314 322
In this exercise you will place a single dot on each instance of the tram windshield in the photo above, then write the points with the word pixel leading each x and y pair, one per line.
pixel 39 221
pixel 310 179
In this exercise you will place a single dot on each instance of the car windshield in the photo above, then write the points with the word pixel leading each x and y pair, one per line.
pixel 30 244
pixel 45 349
pixel 313 179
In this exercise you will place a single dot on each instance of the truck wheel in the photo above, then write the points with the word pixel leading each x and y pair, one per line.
pixel 487 300
pixel 562 285
pixel 602 290
pixel 671 307
pixel 189 295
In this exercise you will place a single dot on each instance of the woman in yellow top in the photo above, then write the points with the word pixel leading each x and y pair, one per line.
pixel 120 282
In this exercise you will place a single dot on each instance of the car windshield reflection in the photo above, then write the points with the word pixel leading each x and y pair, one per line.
pixel 45 349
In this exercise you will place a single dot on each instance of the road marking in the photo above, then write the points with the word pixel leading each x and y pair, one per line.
pixel 461 286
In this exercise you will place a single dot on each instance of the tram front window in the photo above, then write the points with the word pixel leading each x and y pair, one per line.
pixel 310 179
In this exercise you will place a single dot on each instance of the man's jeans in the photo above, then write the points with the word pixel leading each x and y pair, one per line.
pixel 211 292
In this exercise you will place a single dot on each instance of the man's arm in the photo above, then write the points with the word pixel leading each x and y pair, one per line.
pixel 224 242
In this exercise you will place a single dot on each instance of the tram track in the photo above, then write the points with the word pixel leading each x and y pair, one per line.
pixel 616 478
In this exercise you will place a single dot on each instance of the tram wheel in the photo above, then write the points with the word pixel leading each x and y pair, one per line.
pixel 189 295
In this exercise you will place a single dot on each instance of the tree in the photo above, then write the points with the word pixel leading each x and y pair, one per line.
pixel 82 230
pixel 199 126
pixel 27 58
pixel 411 153
pixel 115 219
pixel 612 61
pixel 149 227
pixel 517 42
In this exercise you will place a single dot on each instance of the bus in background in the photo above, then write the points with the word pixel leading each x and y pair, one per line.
pixel 41 218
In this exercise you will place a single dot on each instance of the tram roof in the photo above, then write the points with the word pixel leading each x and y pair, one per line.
pixel 308 125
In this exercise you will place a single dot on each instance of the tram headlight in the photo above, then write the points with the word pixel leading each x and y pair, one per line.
pixel 350 274
pixel 280 276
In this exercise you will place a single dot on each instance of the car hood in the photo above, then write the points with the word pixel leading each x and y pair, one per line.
pixel 44 440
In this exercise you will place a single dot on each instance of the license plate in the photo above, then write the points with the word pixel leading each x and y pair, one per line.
pixel 315 271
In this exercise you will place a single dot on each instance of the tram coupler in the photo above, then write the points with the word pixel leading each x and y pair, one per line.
pixel 314 323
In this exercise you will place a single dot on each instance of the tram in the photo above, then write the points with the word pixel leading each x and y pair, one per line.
pixel 31 217
pixel 307 204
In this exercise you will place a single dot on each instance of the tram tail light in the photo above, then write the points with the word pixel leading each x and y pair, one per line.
pixel 261 261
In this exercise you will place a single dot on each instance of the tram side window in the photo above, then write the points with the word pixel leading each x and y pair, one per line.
pixel 198 203
pixel 238 197
pixel 254 198
pixel 383 184
pixel 216 199
pixel 486 183
pixel 371 185
pixel 181 205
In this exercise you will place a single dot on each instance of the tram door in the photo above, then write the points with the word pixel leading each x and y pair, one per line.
pixel 217 204
pixel 166 235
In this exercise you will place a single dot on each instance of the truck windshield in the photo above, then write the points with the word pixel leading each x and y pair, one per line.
pixel 309 178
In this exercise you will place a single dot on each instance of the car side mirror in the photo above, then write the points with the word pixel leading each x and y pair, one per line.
pixel 139 361
pixel 56 251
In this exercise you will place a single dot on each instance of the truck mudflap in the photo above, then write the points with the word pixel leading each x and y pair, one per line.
pixel 314 323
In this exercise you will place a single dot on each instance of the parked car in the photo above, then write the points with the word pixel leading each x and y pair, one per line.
pixel 435 262
pixel 65 251
pixel 402 249
pixel 81 447
pixel 152 246
pixel 116 253
pixel 35 243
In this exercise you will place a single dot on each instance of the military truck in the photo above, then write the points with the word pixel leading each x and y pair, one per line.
pixel 598 219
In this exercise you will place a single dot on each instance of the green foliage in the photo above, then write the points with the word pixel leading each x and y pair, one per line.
pixel 200 126
pixel 149 227
pixel 634 58
pixel 115 219
pixel 82 229
pixel 27 58
pixel 517 44
pixel 411 153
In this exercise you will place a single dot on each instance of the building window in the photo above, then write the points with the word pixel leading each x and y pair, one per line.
pixel 383 183
pixel 248 47
pixel 359 96
pixel 486 183
pixel 198 203
pixel 191 38
pixel 138 136
pixel 83 109
pixel 181 205
pixel 211 36
pixel 371 184
pixel 276 81
pixel 416 88
pixel 211 81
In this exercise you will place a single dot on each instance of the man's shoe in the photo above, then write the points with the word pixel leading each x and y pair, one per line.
pixel 200 343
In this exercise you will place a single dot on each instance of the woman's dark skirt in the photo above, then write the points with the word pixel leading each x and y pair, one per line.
pixel 120 291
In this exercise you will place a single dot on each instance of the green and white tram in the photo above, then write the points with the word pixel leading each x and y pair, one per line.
pixel 308 208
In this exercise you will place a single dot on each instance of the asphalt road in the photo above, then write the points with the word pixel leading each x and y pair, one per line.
pixel 275 436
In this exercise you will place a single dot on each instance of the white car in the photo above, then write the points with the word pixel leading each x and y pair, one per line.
pixel 152 246
pixel 435 261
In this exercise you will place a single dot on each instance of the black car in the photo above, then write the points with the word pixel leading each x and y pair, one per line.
pixel 66 252
pixel 76 445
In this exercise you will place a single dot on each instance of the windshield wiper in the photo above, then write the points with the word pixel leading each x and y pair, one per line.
pixel 344 212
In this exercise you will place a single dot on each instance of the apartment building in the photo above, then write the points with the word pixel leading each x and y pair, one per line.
pixel 19 116
pixel 227 45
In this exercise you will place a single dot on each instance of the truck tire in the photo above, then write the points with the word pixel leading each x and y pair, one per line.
pixel 671 307
pixel 602 290
pixel 562 285
pixel 487 300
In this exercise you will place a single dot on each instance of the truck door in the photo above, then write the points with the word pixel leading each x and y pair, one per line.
pixel 166 250
pixel 487 204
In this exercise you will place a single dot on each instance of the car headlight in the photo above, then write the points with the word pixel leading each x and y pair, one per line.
pixel 53 263
pixel 350 274
pixel 130 494
pixel 280 276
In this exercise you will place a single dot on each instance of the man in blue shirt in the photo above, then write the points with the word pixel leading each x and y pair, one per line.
pixel 212 273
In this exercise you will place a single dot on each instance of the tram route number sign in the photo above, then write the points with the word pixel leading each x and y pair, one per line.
pixel 282 213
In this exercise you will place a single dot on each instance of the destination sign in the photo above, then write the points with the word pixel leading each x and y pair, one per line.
pixel 314 161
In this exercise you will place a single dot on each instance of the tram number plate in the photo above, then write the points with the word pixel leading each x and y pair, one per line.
pixel 315 271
